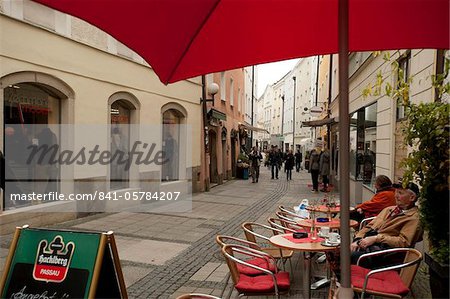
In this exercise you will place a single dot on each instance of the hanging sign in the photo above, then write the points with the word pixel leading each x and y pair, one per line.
pixel 46 263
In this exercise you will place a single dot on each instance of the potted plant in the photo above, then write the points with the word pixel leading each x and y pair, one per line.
pixel 242 166
pixel 426 131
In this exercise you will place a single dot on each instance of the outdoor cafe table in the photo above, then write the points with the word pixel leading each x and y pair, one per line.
pixel 282 241
pixel 324 209
pixel 333 224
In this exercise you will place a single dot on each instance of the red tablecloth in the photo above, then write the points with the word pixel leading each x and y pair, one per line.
pixel 303 240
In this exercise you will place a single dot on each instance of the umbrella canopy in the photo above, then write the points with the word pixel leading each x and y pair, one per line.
pixel 185 38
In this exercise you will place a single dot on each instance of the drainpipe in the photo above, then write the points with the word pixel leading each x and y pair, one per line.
pixel 205 132
pixel 330 81
pixel 293 115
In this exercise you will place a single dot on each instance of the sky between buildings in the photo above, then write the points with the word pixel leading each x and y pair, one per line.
pixel 272 72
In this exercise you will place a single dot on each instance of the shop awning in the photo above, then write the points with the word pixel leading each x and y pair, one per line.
pixel 320 122
pixel 252 128
pixel 213 113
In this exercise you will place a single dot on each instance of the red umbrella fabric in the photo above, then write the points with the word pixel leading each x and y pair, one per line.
pixel 185 38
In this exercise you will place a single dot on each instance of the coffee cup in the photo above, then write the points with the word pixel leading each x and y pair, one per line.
pixel 334 237
pixel 324 231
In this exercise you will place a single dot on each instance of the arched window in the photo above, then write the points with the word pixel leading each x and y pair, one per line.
pixel 173 116
pixel 170 146
pixel 34 106
pixel 123 112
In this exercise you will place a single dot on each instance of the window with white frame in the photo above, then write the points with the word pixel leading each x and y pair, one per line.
pixel 403 74
pixel 363 144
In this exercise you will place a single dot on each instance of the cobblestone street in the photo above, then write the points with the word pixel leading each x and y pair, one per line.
pixel 164 255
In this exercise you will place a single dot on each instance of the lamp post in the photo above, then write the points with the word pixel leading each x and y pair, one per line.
pixel 253 92
pixel 293 115
pixel 213 88
pixel 282 122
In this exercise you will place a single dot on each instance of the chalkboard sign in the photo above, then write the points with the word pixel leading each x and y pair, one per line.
pixel 46 263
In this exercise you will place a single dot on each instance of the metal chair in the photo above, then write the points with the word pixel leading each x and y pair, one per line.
pixel 289 211
pixel 223 240
pixel 269 283
pixel 286 216
pixel 284 225
pixel 387 281
pixel 365 221
pixel 251 235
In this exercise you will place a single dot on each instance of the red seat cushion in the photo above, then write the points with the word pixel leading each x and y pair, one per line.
pixel 257 261
pixel 262 283
pixel 384 282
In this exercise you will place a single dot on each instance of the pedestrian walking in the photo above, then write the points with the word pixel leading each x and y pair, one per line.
pixel 314 168
pixel 289 164
pixel 324 165
pixel 274 161
pixel 255 162
pixel 298 160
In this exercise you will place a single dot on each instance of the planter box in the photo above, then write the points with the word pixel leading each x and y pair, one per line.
pixel 439 275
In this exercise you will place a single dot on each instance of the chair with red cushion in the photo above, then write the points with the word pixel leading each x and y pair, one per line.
pixel 269 283
pixel 387 281
pixel 256 231
pixel 223 240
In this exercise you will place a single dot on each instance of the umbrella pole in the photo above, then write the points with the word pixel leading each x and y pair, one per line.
pixel 346 290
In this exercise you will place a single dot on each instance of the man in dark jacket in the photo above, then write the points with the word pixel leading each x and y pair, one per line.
pixel 298 160
pixel 274 160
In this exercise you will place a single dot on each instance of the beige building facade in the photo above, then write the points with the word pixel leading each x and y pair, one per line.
pixel 376 142
pixel 58 70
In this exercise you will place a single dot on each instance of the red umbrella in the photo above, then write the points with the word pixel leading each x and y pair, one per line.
pixel 186 38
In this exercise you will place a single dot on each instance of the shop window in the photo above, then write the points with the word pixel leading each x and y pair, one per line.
pixel 403 74
pixel 363 125
pixel 31 114
pixel 172 119
pixel 441 55
pixel 120 144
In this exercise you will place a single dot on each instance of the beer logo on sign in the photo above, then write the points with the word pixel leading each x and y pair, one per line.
pixel 53 261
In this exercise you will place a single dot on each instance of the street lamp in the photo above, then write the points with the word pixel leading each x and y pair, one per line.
pixel 213 88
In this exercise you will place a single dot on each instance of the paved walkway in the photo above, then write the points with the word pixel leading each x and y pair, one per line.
pixel 164 255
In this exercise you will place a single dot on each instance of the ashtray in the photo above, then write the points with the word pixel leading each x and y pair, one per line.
pixel 323 219
pixel 328 243
pixel 299 235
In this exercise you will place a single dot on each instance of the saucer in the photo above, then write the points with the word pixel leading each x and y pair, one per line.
pixel 330 244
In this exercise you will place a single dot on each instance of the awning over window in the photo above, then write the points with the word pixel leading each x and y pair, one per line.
pixel 252 128
pixel 213 113
pixel 320 122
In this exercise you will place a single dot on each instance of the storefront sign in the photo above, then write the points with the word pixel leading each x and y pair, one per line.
pixel 62 264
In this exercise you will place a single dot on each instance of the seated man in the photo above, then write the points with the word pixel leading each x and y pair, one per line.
pixel 383 198
pixel 395 226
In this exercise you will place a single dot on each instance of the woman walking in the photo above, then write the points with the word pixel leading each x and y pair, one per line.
pixel 324 165
pixel 314 168
pixel 289 164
